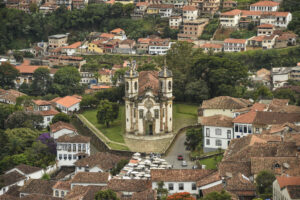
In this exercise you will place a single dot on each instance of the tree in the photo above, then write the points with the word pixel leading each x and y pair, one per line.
pixel 181 196
pixel 196 91
pixel 61 117
pixel 106 195
pixel 147 67
pixel 33 8
pixel 162 193
pixel 8 74
pixel 264 181
pixel 22 119
pixel 116 170
pixel 217 196
pixel 6 110
pixel 193 138
pixel 105 114
pixel 89 101
pixel 41 82
pixel 285 93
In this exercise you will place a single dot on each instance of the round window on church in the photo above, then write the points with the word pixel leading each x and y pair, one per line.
pixel 170 85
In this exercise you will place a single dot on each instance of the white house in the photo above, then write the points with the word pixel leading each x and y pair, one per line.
pixel 265 6
pixel 175 22
pixel 71 148
pixel 44 109
pixel 178 180
pixel 159 46
pixel 212 47
pixel 190 13
pixel 230 18
pixel 69 104
pixel 90 179
pixel 286 187
pixel 61 128
pixel 30 172
pixel 61 189
pixel 234 45
pixel 268 41
pixel 280 76
pixel 207 184
pixel 119 34
pixel 278 19
pixel 10 179
pixel 217 132
pixel 71 49
pixel 265 29
pixel 87 78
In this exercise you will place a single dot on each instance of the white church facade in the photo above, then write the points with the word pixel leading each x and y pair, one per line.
pixel 148 102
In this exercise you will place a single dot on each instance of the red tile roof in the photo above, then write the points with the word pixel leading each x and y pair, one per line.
pixel 265 26
pixel 265 3
pixel 181 175
pixel 26 68
pixel 68 101
pixel 148 79
pixel 61 125
pixel 142 4
pixel 73 46
pixel 246 13
pixel 189 8
pixel 117 31
pixel 232 40
pixel 62 185
pixel 246 118
pixel 284 181
pixel 209 45
pixel 40 102
pixel 51 112
pixel 107 35
pixel 73 139
pixel 217 120
pixel 91 177
pixel 232 12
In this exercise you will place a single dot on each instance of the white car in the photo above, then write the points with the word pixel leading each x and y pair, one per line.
pixel 184 164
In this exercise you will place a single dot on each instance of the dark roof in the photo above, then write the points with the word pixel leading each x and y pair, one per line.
pixel 225 102
pixel 90 177
pixel 38 186
pixel 103 160
pixel 182 175
pixel 217 120
pixel 83 192
pixel 294 191
pixel 61 125
pixel 239 182
pixel 27 169
pixel 11 178
pixel 73 139
pixel 148 79
pixel 148 194
pixel 214 177
pixel 165 72
pixel 275 117
pixel 8 197
pixel 129 185
pixel 40 197
pixel 13 191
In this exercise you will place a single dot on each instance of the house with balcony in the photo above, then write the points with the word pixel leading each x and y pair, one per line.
pixel 68 104
pixel 71 148
pixel 265 6
pixel 190 13
pixel 265 29
pixel 175 22
pixel 61 128
pixel 231 18
pixel 234 45
pixel 210 6
pixel 278 19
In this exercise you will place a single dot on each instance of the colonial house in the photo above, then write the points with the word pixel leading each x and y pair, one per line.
pixel 61 189
pixel 286 39
pixel 71 49
pixel 286 187
pixel 228 4
pixel 11 179
pixel 30 172
pixel 10 96
pixel 212 182
pixel 190 13
pixel 269 41
pixel 212 47
pixel 71 148
pixel 235 45
pixel 90 179
pixel 148 102
pixel 37 187
pixel 62 60
pixel 280 76
pixel 249 16
pixel 255 41
pixel 87 78
pixel 139 10
pixel 230 18
pixel 96 46
pixel 159 46
pixel 44 109
pixel 126 47
pixel 210 6
pixel 278 19
pixel 118 34
pixel 192 29
pixel 217 132
pixel 265 29
pixel 58 40
pixel 178 180
pixel 142 45
pixel 105 76
pixel 99 162
pixel 69 104
pixel 175 22
pixel 61 128
pixel 222 105
pixel 265 6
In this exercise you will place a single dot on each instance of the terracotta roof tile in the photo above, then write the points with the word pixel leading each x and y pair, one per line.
pixel 107 35
pixel 40 102
pixel 232 40
pixel 265 3
pixel 294 191
pixel 216 188
pixel 284 181
pixel 68 101
pixel 247 118
pixel 61 125
pixel 62 185
pixel 232 12
pixel 225 102
pixel 214 177
pixel 189 8
pixel 11 178
pixel 217 120
pixel 73 46
pixel 51 112
pixel 117 31
pixel 38 186
pixel 266 26
pixel 239 183
pixel 209 45
pixel 129 185
pixel 142 4
pixel 83 192
pixel 39 197
pixel 148 194
pixel 247 13
pixel 182 175
pixel 148 79
pixel 73 139
pixel 27 169
pixel 161 6
pixel 90 177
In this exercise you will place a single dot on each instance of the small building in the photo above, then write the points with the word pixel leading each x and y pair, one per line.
pixel 11 179
pixel 30 172
pixel 217 132
pixel 58 40
pixel 278 19
pixel 118 34
pixel 71 148
pixel 190 13
pixel 231 18
pixel 37 187
pixel 62 60
pixel 265 29
pixel 71 49
pixel 10 96
pixel 192 29
pixel 280 76
pixel 87 78
pixel 164 10
pixel 286 39
pixel 286 187
pixel 228 4
pixel 269 41
pixel 105 76
pixel 61 128
pixel 159 46
pixel 235 45
pixel 212 47
pixel 265 6
pixel 126 47
pixel 69 104
pixel 61 189
pixel 44 109
pixel 139 10
pixel 210 7
pixel 96 46
pixel 90 179
pixel 175 22
pixel 142 45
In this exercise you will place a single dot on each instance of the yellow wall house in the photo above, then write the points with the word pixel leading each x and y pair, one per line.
pixel 152 10
pixel 104 76
pixel 94 47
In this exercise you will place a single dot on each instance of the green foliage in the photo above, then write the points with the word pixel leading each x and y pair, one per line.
pixel 22 119
pixel 6 110
pixel 170 33
pixel 105 114
pixel 243 34
pixel 61 117
pixel 162 193
pixel 41 82
pixel 193 138
pixel 294 25
pixel 223 195
pixel 7 75
pixel 115 94
pixel 264 181
pixel 116 170
pixel 106 195
pixel 209 29
pixel 88 101
pixel 45 177
pixel 147 67
pixel 285 93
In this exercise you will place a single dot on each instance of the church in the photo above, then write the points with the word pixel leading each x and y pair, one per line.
pixel 148 101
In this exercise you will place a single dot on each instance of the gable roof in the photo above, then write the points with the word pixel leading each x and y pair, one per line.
pixel 148 79
pixel 266 26
pixel 210 45
pixel 38 186
pixel 11 178
pixel 129 185
pixel 83 192
pixel 39 197
pixel 62 185
pixel 189 8
pixel 217 120
pixel 73 46
pixel 68 101
pixel 27 169
pixel 40 102
pixel 232 12
pixel 214 177
pixel 51 112
pixel 284 181
pixel 225 102
pixel 73 139
pixel 117 31
pixel 233 40
pixel 61 125
pixel 182 175
pixel 265 3
pixel 294 191
pixel 90 177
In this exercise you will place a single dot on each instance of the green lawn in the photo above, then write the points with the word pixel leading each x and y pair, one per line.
pixel 211 163
pixel 116 129
pixel 184 115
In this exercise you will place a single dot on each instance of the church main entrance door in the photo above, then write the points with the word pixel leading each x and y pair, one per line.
pixel 149 129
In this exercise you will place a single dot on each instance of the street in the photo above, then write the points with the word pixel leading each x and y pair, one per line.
pixel 179 148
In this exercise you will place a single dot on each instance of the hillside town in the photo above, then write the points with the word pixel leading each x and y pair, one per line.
pixel 149 100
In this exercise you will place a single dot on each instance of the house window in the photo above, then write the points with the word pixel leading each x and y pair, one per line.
pixel 56 193
pixel 194 187
pixel 249 129
pixel 127 86
pixel 69 156
pixel 240 128
pixel 48 119
pixel 180 186
pixel 83 147
pixel 135 85
pixel 74 157
pixel 156 113
pixel 141 113
pixel 62 193
pixel 236 128
pixel 69 147
pixel 256 130
pixel 60 156
pixel 218 131
pixel 228 134
pixel 74 147
pixel 79 147
pixel 207 132
pixel 218 143
pixel 65 156
pixel 207 141
pixel 245 128
pixel 171 186
pixel 170 85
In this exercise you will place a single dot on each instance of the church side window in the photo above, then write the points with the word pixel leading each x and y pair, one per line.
pixel 170 85
pixel 156 113
pixel 141 113
pixel 161 84
pixel 127 86
pixel 135 85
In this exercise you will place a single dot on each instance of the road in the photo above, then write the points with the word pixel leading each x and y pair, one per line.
pixel 179 148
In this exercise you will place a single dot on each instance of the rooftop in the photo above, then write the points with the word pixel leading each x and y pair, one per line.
pixel 38 186
pixel 232 13
pixel 225 102
pixel 265 3
pixel 27 169
pixel 73 139
pixel 90 177
pixel 217 120
pixel 182 175
pixel 40 102
pixel 232 40
pixel 129 185
pixel 189 8
pixel 68 101
pixel 11 178
pixel 61 125
pixel 284 181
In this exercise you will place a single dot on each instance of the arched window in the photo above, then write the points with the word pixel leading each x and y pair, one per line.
pixel 62 193
pixel 161 84
pixel 135 85
pixel 170 85
pixel 56 193
pixel 127 86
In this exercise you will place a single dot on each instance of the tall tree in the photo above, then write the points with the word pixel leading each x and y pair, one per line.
pixel 20 119
pixel 217 196
pixel 193 138
pixel 264 181
pixel 61 117
pixel 41 82
pixel 8 74
pixel 105 114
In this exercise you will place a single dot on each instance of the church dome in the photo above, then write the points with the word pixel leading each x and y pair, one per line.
pixel 165 73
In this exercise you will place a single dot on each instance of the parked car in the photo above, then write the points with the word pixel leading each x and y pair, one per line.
pixel 179 157
pixel 184 164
